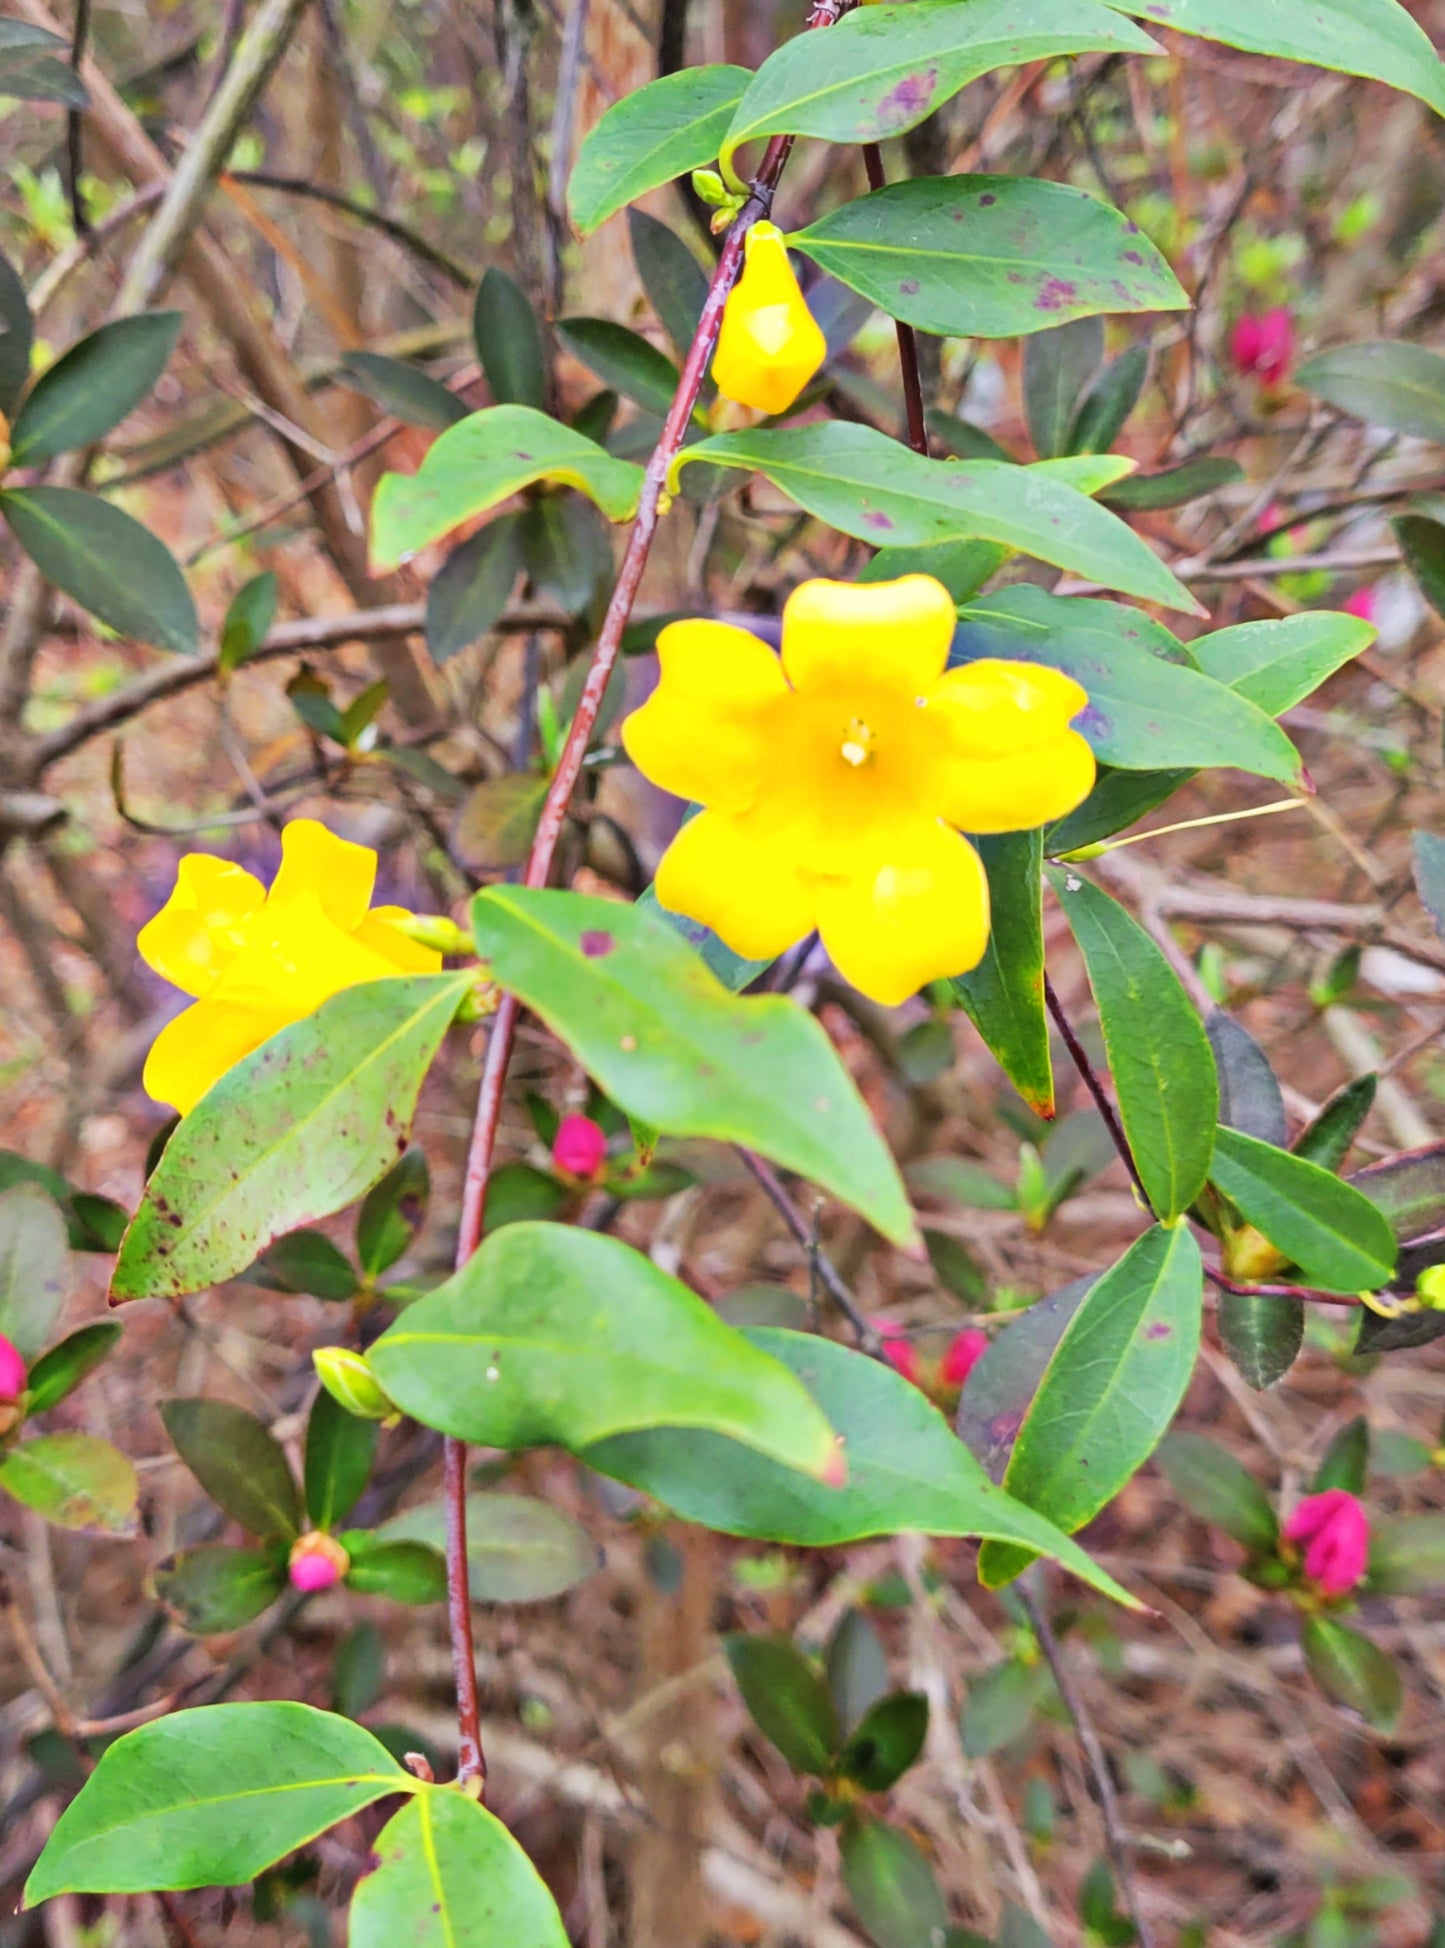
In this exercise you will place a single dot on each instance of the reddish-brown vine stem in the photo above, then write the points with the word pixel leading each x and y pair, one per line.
pixel 907 337
pixel 1092 1082
pixel 471 1764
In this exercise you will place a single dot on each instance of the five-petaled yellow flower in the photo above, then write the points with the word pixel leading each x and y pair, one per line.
pixel 257 961
pixel 770 344
pixel 837 781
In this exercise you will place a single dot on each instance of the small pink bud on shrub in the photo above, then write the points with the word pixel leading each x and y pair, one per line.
pixel 1334 1531
pixel 1364 603
pixel 899 1351
pixel 965 1350
pixel 579 1148
pixel 1264 347
pixel 317 1561
pixel 12 1373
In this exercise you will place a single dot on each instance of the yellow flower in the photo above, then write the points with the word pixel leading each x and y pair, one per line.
pixel 257 961
pixel 836 780
pixel 770 344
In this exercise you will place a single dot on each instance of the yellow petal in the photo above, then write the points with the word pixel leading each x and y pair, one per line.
pixel 407 956
pixel 1014 794
pixel 754 900
pixel 703 733
pixel 196 1049
pixel 315 864
pixel 295 958
pixel 991 709
pixel 189 940
pixel 770 344
pixel 892 633
pixel 918 918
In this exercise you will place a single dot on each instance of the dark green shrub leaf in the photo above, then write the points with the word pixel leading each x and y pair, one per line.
pixel 888 1741
pixel 34 1262
pixel 1058 365
pixel 495 822
pixel 1384 382
pixel 340 1449
pixel 213 1588
pixel 786 1699
pixel 675 282
pixel 654 134
pixel 295 1131
pixel 1328 1139
pixel 1249 1094
pixel 1350 1669
pixel 1000 1704
pixel 892 1886
pixel 1144 492
pixel 955 1267
pixel 518 1192
pixel 1004 995
pixel 1278 664
pixel 1407 1555
pixel 1208 1480
pixel 566 551
pixel 210 1798
pixel 392 1213
pixel 1005 1380
pixel 509 342
pixel 1118 800
pixel 307 1261
pixel 963 439
pixel 473 586
pixel 622 359
pixel 953 1181
pixel 1336 1236
pixel 1408 1188
pixel 238 1463
pixel 73 1480
pixel 358 1670
pixel 407 1572
pixel 857 1668
pixel 1346 1462
pixel 1422 543
pixel 34 66
pixel 520 1550
pixel 60 1371
pixel 106 561
pixel 93 386
pixel 962 566
pixel 1108 402
pixel 400 389
pixel 1261 1335
pixel 17 334
pixel 252 611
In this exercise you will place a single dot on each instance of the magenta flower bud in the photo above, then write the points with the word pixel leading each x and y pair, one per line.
pixel 12 1373
pixel 579 1148
pixel 965 1350
pixel 1364 603
pixel 1264 347
pixel 899 1351
pixel 317 1562
pixel 1334 1531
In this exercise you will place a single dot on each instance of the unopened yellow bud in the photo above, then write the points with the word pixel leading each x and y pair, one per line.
pixel 1249 1255
pixel 352 1384
pixel 1430 1288
pixel 435 930
pixel 770 344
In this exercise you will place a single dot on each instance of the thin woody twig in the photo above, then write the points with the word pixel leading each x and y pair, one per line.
pixel 823 1268
pixel 907 338
pixel 1094 1084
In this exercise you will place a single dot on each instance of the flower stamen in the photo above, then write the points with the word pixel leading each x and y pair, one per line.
pixel 857 746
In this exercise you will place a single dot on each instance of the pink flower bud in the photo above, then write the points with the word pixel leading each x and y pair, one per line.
pixel 317 1561
pixel 1335 1532
pixel 965 1350
pixel 1264 347
pixel 1364 603
pixel 899 1351
pixel 12 1373
pixel 579 1148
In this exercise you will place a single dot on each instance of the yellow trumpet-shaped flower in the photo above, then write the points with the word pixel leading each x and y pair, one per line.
pixel 837 780
pixel 770 344
pixel 257 961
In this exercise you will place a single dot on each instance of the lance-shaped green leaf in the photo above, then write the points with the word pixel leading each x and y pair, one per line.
pixel 555 1335
pixel 30 69
pixel 508 336
pixel 892 1886
pixel 1409 1188
pixel 60 1371
pixel 1108 1394
pixel 654 134
pixel 340 1449
pixel 214 1588
pixel 1145 711
pixel 450 1875
pixel 885 69
pixel 1249 1093
pixel 672 277
pixel 864 484
pixel 1384 382
pixel 93 386
pixel 238 1462
pixel 1329 1139
pixel 1353 1671
pixel 34 1257
pixel 210 1798
pixel 296 1130
pixel 906 1470
pixel 623 359
pixel 786 1699
pixel 1373 38
pixel 1208 1479
pixel 17 328
pixel 1422 544
pixel 1159 1054
pixel 484 459
pixel 519 1549
pixel 1337 1237
pixel 1004 995
pixel 73 1480
pixel 1119 799
pixel 1278 664
pixel 670 1045
pixel 1262 1335
pixel 986 256
pixel 1176 486
pixel 410 395
pixel 106 561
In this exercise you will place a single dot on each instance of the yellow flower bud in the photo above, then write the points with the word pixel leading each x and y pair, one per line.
pixel 1430 1288
pixel 1250 1256
pixel 770 344
pixel 351 1383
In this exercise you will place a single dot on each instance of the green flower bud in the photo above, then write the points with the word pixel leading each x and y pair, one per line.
pixel 434 930
pixel 352 1384
pixel 1430 1288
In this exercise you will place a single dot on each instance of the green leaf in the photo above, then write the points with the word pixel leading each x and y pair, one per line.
pixel 509 342
pixel 75 1481
pixel 400 389
pixel 1057 367
pixel 496 821
pixel 1159 1054
pixel 567 552
pixel 979 256
pixel 885 69
pixel 656 133
pixel 1119 799
pixel 238 1462
pixel 520 1550
pixel 1354 1672
pixel 1108 401
pixel 1175 487
pixel 1108 1394
pixel 857 1668
pixel 106 561
pixel 93 386
pixel 473 586
pixel 1384 382
pixel 60 1371
pixel 1407 1555
pixel 307 1261
pixel 957 1182
pixel 1408 1188
pixel 1208 1480
pixel 1249 1094
pixel 486 458
pixel 1336 1236
pixel 1000 1705
pixel 214 1588
pixel 519 1192
pixel 252 611
pixel 34 1265
pixel 1002 1385
pixel 1145 712
pixel 17 334
pixel 963 439
pixel 864 484
pixel 892 1886
pixel 1328 1139
pixel 339 1453
pixel 675 282
pixel 30 69
pixel 406 1572
pixel 1004 995
pixel 555 1335
pixel 392 1214
pixel 210 1798
pixel 450 1875
pixel 962 566
pixel 1373 38
pixel 1346 1461
pixel 955 1267
pixel 1278 664
pixel 1422 543
pixel 786 1699
pixel 295 1131
pixel 1261 1335
pixel 668 1044
pixel 622 359
pixel 906 1470
pixel 888 1741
